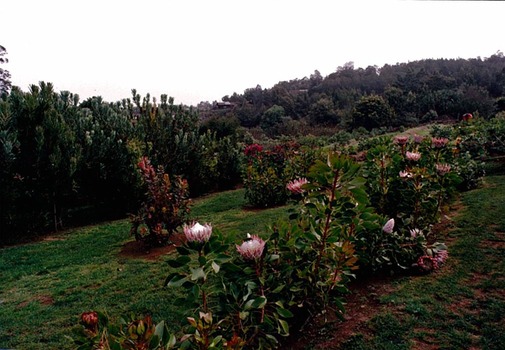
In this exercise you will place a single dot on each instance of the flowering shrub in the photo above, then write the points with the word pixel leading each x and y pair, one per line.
pixel 97 332
pixel 267 172
pixel 165 208
pixel 248 295
pixel 411 179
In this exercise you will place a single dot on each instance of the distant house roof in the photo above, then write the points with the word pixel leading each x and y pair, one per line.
pixel 223 105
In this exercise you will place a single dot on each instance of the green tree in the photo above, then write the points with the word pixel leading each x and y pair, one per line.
pixel 372 112
pixel 48 156
pixel 5 76
pixel 272 117
pixel 323 112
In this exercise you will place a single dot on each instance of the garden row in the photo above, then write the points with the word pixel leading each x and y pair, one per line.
pixel 353 218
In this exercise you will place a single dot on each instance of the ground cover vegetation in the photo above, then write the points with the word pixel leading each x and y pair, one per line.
pixel 357 208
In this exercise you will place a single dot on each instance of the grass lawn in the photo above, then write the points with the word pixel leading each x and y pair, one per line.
pixel 46 285
pixel 460 306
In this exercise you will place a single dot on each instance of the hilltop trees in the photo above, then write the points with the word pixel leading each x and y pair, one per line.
pixel 372 112
pixel 399 94
pixel 5 76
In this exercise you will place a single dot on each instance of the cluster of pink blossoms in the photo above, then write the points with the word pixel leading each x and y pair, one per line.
pixel 252 249
pixel 401 140
pixel 404 139
pixel 439 142
pixel 198 233
pixel 295 186
pixel 413 156
pixel 442 169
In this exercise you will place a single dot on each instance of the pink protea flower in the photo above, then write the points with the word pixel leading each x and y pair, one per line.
pixel 441 256
pixel 442 169
pixel 251 249
pixel 405 174
pixel 295 186
pixel 439 142
pixel 413 156
pixel 427 263
pixel 198 233
pixel 401 139
pixel 389 226
pixel 415 232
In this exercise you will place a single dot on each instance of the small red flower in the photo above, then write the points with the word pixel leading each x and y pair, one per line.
pixel 253 150
pixel 427 263
pixel 90 320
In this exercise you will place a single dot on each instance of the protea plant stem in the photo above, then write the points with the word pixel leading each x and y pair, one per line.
pixel 327 223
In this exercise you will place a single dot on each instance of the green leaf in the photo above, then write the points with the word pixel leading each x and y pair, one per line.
pixel 259 302
pixel 160 329
pixel 279 289
pixel 215 267
pixel 283 328
pixel 284 312
pixel 175 280
pixel 216 341
pixel 183 250
pixel 171 341
pixel 197 273
pixel 180 261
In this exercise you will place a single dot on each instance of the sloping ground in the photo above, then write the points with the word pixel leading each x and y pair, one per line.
pixel 460 306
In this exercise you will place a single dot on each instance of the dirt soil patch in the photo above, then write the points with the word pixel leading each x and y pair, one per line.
pixel 327 331
pixel 41 299
pixel 138 250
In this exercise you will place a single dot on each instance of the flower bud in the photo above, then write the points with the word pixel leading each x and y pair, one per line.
pixel 198 233
pixel 389 226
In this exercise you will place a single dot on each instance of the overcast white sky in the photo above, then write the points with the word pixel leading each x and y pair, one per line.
pixel 202 50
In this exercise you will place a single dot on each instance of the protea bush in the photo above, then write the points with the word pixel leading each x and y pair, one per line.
pixel 411 179
pixel 267 171
pixel 165 208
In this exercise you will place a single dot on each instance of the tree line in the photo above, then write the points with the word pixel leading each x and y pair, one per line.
pixel 390 96
pixel 64 162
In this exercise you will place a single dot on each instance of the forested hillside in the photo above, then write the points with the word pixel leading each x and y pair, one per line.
pixel 389 96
